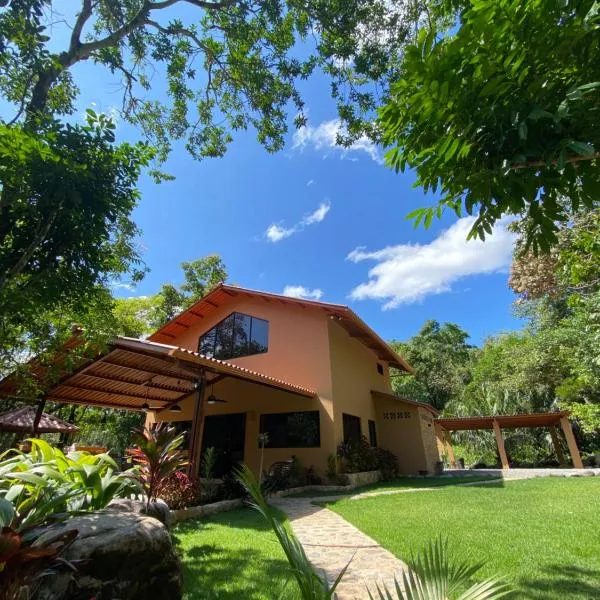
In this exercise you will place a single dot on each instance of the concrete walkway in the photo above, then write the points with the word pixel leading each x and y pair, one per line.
pixel 330 543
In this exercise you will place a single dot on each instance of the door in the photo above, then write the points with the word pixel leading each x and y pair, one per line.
pixel 226 434
pixel 352 432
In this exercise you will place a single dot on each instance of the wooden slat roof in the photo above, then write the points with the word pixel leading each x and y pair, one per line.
pixel 136 372
pixel 21 420
pixel 343 315
pixel 504 421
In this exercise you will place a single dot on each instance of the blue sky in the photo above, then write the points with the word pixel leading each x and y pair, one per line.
pixel 319 220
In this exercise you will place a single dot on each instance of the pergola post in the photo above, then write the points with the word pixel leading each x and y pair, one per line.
pixel 500 444
pixel 573 449
pixel 560 455
pixel 446 443
pixel 196 433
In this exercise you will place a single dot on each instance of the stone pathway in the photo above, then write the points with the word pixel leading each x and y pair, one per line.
pixel 330 542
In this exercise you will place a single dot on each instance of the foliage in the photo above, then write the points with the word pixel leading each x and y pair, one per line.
pixel 332 467
pixel 140 316
pixel 46 481
pixel 311 585
pixel 434 576
pixel 179 491
pixel 359 456
pixel 441 358
pixel 208 462
pixel 158 457
pixel 59 248
pixel 500 113
pixel 25 558
pixel 223 66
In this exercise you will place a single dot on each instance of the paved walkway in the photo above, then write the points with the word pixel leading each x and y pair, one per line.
pixel 330 542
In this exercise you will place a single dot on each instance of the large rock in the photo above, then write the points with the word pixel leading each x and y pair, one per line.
pixel 157 508
pixel 128 556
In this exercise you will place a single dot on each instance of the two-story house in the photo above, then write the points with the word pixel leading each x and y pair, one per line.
pixel 239 363
pixel 340 366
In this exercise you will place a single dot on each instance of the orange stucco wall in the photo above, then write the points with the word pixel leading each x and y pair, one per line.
pixel 308 348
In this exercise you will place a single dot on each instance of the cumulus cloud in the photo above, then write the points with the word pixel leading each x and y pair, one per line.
pixel 408 273
pixel 324 137
pixel 276 232
pixel 299 291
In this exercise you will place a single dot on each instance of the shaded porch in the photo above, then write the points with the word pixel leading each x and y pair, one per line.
pixel 552 421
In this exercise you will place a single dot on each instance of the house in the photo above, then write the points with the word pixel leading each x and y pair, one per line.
pixel 325 379
pixel 241 362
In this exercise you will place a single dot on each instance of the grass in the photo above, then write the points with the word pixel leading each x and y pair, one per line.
pixel 231 556
pixel 400 483
pixel 542 534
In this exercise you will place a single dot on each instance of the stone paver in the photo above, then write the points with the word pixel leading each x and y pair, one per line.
pixel 330 543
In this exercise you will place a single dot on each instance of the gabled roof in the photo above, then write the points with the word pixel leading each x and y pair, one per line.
pixel 343 315
pixel 22 419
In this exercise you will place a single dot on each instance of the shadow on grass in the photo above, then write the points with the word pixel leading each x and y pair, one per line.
pixel 237 560
pixel 566 581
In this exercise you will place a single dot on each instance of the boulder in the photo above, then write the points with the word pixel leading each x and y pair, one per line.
pixel 157 509
pixel 124 556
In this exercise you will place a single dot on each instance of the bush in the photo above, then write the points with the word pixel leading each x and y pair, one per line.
pixel 179 491
pixel 309 476
pixel 356 457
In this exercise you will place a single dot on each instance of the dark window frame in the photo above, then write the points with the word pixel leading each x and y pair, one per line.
pixel 380 368
pixel 348 421
pixel 253 346
pixel 279 433
pixel 372 433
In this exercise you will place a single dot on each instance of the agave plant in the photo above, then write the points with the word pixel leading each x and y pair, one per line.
pixel 434 576
pixel 47 481
pixel 157 457
pixel 311 585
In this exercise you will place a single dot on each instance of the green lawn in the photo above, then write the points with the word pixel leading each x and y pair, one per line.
pixel 542 534
pixel 401 483
pixel 232 556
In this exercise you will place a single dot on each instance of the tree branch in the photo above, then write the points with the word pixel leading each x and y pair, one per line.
pixel 82 17
pixel 543 163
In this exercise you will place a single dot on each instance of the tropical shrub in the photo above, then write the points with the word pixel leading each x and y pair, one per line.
pixel 356 456
pixel 157 457
pixel 25 557
pixel 46 481
pixel 179 491
pixel 208 462
pixel 433 575
pixel 387 463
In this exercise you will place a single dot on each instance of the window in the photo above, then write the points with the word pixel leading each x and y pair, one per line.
pixel 236 335
pixel 372 434
pixel 380 368
pixel 292 430
pixel 351 425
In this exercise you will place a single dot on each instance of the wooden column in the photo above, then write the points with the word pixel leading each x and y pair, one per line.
pixel 500 443
pixel 560 455
pixel 573 449
pixel 38 416
pixel 196 433
pixel 444 439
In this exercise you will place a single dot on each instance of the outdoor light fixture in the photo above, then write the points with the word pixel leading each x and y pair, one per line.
pixel 212 399
pixel 175 408
pixel 145 407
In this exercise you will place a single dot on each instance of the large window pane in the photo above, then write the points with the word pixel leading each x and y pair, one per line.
pixel 224 341
pixel 292 430
pixel 207 343
pixel 260 336
pixel 351 426
pixel 241 335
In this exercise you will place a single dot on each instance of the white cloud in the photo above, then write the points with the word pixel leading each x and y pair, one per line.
pixel 276 232
pixel 310 182
pixel 407 273
pixel 122 285
pixel 299 291
pixel 318 215
pixel 324 137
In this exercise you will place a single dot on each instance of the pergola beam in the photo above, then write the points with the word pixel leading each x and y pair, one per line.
pixel 500 444
pixel 573 449
pixel 560 455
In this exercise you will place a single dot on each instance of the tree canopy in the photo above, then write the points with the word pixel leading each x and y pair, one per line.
pixel 226 64
pixel 500 112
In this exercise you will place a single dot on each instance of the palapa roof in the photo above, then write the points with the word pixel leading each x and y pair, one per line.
pixel 22 419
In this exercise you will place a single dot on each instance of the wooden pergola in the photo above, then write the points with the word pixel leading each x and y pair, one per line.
pixel 551 420
pixel 140 375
